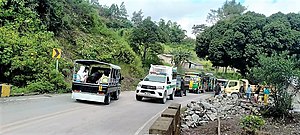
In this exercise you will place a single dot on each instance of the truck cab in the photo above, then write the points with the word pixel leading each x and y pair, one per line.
pixel 160 83
pixel 192 82
pixel 234 87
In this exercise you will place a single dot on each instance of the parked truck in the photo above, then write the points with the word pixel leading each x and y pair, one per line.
pixel 236 87
pixel 160 83
pixel 192 82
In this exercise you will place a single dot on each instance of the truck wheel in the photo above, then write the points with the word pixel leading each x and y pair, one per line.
pixel 116 95
pixel 164 99
pixel 235 96
pixel 138 98
pixel 107 99
pixel 172 95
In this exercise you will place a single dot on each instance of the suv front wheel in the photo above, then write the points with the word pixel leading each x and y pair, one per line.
pixel 164 99
pixel 172 95
pixel 138 98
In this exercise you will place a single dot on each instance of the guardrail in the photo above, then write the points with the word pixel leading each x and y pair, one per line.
pixel 169 121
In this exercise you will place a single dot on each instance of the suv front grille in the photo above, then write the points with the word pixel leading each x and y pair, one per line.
pixel 148 87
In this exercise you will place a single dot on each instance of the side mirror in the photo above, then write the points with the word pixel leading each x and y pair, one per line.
pixel 168 82
pixel 141 79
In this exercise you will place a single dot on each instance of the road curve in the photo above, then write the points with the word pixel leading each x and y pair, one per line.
pixel 61 115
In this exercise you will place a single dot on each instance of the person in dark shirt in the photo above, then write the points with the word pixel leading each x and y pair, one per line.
pixel 256 94
pixel 182 86
pixel 217 89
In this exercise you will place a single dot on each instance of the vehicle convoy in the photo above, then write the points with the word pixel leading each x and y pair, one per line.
pixel 96 81
pixel 160 83
pixel 192 82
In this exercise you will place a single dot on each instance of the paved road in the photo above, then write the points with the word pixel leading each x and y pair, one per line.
pixel 59 114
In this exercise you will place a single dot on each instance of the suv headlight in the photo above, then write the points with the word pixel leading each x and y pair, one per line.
pixel 139 85
pixel 160 87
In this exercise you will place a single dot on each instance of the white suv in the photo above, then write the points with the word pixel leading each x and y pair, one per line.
pixel 158 86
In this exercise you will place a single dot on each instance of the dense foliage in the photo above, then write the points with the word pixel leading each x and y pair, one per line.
pixel 30 29
pixel 238 41
pixel 278 71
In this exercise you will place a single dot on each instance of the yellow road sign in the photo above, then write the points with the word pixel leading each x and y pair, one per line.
pixel 56 53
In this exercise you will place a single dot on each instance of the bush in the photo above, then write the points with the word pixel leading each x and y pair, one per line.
pixel 252 123
pixel 57 80
pixel 283 104
pixel 41 87
pixel 17 90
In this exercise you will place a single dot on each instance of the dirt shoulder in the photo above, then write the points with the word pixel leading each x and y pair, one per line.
pixel 232 127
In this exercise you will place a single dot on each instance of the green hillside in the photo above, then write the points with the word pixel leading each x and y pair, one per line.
pixel 30 29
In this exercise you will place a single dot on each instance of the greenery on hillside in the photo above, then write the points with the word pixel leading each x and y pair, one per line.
pixel 238 38
pixel 30 29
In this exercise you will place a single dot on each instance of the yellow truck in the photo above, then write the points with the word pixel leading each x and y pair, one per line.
pixel 236 87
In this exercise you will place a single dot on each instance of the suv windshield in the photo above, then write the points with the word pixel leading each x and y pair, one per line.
pixel 155 78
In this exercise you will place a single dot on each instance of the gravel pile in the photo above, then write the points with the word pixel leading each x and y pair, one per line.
pixel 201 112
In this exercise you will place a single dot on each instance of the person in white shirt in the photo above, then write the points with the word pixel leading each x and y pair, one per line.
pixel 83 73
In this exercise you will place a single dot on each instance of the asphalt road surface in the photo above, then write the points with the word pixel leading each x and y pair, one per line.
pixel 61 115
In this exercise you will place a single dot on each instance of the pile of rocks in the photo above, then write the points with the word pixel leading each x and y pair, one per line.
pixel 200 112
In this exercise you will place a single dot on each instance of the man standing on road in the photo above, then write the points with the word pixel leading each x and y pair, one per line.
pixel 256 95
pixel 217 89
pixel 182 86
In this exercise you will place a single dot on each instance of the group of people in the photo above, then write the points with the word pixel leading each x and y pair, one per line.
pixel 258 89
pixel 266 92
pixel 96 77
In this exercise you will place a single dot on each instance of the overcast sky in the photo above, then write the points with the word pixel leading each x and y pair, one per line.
pixel 190 12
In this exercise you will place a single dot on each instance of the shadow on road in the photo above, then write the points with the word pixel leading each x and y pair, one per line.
pixel 92 102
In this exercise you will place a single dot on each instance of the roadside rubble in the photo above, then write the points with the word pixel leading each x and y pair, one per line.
pixel 201 112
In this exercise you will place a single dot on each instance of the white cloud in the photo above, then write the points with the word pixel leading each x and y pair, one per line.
pixel 269 7
pixel 190 12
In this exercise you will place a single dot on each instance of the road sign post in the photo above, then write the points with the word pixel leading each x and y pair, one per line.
pixel 56 53
pixel 56 64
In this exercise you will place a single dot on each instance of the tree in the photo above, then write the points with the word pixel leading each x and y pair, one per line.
pixel 177 34
pixel 237 42
pixel 278 70
pixel 171 32
pixel 180 55
pixel 115 16
pixel 197 29
pixel 144 37
pixel 228 10
pixel 123 11
pixel 137 17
